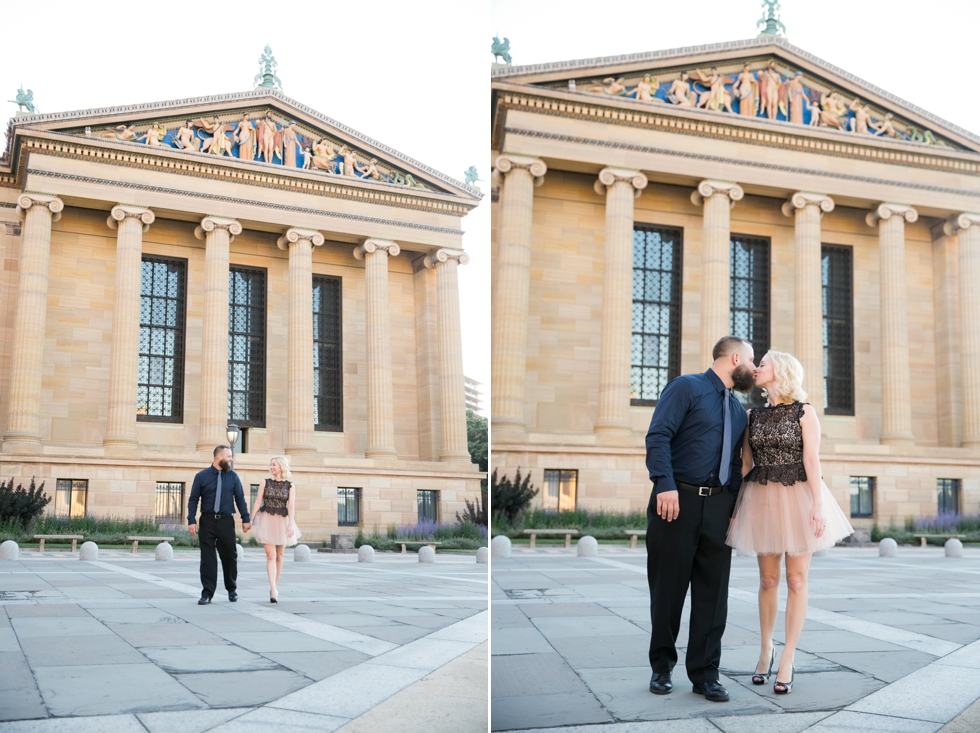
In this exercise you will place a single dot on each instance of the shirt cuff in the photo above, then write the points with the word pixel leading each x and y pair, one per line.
pixel 665 483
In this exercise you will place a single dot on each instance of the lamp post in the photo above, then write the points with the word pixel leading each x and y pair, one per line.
pixel 232 433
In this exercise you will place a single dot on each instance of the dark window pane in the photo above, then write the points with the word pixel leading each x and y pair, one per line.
pixel 70 498
pixel 838 330
pixel 160 371
pixel 862 496
pixel 949 495
pixel 428 506
pixel 560 487
pixel 348 507
pixel 750 299
pixel 656 312
pixel 170 503
pixel 246 347
pixel 328 381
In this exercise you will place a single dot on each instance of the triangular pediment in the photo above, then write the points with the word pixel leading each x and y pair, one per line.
pixel 263 128
pixel 765 80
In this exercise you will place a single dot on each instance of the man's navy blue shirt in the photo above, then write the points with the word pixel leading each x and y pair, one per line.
pixel 205 484
pixel 684 441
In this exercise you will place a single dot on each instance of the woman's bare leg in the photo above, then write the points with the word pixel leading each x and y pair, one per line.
pixel 279 551
pixel 270 567
pixel 797 569
pixel 769 566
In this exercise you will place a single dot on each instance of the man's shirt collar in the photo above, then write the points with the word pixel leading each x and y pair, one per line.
pixel 715 380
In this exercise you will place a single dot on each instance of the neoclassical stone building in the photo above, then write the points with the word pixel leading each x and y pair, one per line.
pixel 172 267
pixel 645 205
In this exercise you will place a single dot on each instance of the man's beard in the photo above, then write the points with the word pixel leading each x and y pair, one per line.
pixel 225 464
pixel 742 379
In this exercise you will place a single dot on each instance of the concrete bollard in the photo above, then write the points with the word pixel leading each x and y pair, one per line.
pixel 88 551
pixel 427 554
pixel 164 552
pixel 239 552
pixel 365 553
pixel 482 555
pixel 301 553
pixel 9 550
pixel 500 546
pixel 954 548
pixel 587 547
pixel 888 548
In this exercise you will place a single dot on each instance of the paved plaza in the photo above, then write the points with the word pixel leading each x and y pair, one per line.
pixel 121 645
pixel 890 644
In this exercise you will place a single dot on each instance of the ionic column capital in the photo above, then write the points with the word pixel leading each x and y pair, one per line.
pixel 373 245
pixel 609 176
pixel 507 162
pixel 708 188
pixel 885 211
pixel 210 223
pixel 960 221
pixel 295 234
pixel 445 255
pixel 120 212
pixel 802 199
pixel 28 199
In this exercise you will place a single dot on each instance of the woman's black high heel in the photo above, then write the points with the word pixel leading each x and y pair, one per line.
pixel 274 599
pixel 787 686
pixel 763 679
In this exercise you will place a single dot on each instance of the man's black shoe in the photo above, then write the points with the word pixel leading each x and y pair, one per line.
pixel 233 596
pixel 205 600
pixel 712 690
pixel 660 684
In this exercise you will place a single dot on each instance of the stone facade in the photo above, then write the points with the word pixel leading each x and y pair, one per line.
pixel 70 310
pixel 903 208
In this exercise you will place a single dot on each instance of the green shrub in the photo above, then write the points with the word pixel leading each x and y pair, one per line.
pixel 20 505
pixel 511 498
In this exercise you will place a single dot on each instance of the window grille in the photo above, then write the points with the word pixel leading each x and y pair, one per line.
pixel 348 507
pixel 862 496
pixel 253 494
pixel 246 347
pixel 428 506
pixel 560 489
pixel 70 498
pixel 170 503
pixel 949 495
pixel 160 381
pixel 750 299
pixel 838 330
pixel 656 311
pixel 328 382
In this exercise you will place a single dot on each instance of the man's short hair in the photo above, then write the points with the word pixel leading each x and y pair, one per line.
pixel 225 447
pixel 726 345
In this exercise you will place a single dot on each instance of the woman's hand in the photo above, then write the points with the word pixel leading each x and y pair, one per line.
pixel 818 521
pixel 289 531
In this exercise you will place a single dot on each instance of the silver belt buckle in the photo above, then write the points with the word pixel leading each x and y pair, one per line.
pixel 704 491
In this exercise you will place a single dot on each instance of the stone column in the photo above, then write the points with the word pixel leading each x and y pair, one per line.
pixel 718 198
pixel 130 222
pixel 452 390
pixel 511 284
pixel 380 403
pixel 809 208
pixel 967 229
pixel 946 301
pixel 301 421
pixel 896 403
pixel 218 234
pixel 613 419
pixel 27 353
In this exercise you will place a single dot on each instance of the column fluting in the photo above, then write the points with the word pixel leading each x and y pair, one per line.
pixel 967 230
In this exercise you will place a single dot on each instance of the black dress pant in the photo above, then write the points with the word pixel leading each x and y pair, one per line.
pixel 218 532
pixel 689 551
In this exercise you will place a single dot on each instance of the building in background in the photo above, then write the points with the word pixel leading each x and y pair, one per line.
pixel 474 397
pixel 646 205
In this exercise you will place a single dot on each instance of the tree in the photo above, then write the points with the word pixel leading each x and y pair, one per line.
pixel 20 505
pixel 510 498
pixel 476 437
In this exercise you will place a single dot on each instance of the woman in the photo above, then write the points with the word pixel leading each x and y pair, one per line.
pixel 784 507
pixel 273 524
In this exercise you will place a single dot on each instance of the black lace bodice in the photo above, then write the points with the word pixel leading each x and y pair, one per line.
pixel 776 439
pixel 275 497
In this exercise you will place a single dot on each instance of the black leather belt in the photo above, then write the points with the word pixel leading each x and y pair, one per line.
pixel 700 490
pixel 216 516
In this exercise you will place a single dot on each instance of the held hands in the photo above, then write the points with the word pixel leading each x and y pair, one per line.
pixel 817 520
pixel 246 526
pixel 668 505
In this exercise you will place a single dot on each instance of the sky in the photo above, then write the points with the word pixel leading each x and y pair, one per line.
pixel 412 75
pixel 922 52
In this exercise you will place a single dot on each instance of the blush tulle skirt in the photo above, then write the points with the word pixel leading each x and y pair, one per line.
pixel 774 519
pixel 270 529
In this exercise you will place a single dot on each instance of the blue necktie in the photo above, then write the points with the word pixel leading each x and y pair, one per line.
pixel 726 446
pixel 217 491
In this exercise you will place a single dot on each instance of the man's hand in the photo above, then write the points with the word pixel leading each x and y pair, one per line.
pixel 668 505
pixel 192 528
pixel 246 526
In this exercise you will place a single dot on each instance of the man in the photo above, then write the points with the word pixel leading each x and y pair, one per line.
pixel 694 456
pixel 219 489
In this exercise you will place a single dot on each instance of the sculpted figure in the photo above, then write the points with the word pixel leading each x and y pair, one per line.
pixel 501 49
pixel 885 127
pixel 371 171
pixel 645 89
pixel 349 162
pixel 680 91
pixel 155 134
pixel 25 100
pixel 289 140
pixel 796 98
pixel 269 138
pixel 612 87
pixel 121 132
pixel 324 157
pixel 862 116
pixel 717 96
pixel 245 137
pixel 218 143
pixel 833 111
pixel 185 139
pixel 770 86
pixel 746 91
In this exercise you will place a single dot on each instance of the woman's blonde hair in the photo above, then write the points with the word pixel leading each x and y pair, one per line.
pixel 787 374
pixel 284 466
